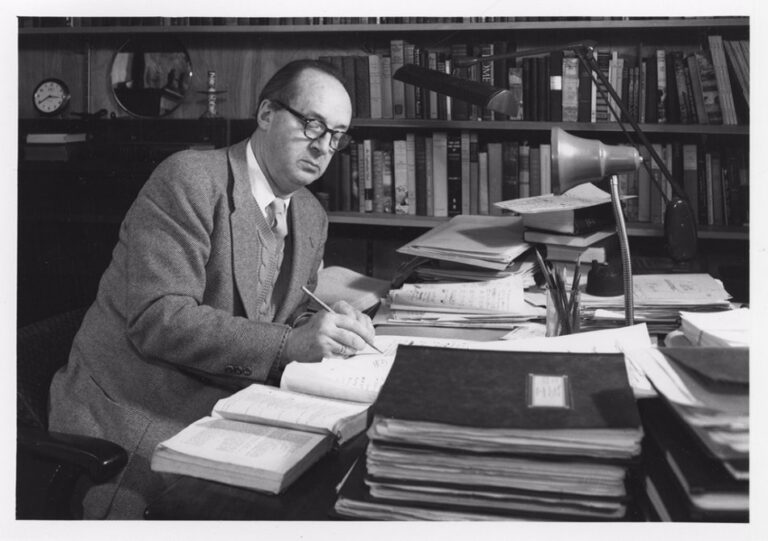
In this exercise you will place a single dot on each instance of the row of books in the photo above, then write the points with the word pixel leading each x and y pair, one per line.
pixel 669 86
pixel 450 173
pixel 29 22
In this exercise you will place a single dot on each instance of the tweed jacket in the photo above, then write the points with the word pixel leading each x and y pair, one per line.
pixel 178 319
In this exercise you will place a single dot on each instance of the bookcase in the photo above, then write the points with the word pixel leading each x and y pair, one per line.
pixel 246 52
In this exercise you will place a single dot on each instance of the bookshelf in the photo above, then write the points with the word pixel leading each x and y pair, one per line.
pixel 245 55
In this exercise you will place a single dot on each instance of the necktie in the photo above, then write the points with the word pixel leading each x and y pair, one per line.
pixel 279 224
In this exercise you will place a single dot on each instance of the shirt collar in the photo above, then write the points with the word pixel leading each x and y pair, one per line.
pixel 260 188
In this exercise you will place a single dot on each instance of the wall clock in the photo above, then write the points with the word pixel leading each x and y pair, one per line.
pixel 51 97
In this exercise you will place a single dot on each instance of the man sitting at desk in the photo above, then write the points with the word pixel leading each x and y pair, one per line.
pixel 203 293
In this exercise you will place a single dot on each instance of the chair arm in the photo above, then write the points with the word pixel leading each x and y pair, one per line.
pixel 101 459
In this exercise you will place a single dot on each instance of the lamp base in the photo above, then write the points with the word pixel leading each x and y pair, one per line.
pixel 680 230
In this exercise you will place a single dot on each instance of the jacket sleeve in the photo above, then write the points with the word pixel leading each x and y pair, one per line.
pixel 168 236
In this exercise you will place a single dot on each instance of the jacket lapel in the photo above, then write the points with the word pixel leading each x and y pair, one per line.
pixel 246 242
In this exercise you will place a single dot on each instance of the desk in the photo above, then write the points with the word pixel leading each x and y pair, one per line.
pixel 311 497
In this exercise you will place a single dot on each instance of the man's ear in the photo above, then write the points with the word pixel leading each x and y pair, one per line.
pixel 265 113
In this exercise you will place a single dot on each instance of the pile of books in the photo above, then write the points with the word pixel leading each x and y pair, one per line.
pixel 576 226
pixel 489 435
pixel 696 452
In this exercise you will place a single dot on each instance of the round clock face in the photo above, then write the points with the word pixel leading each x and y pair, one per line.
pixel 51 96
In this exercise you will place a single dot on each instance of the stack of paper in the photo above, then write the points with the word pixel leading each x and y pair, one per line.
pixel 659 299
pixel 491 242
pixel 499 303
pixel 701 428
pixel 525 435
pixel 717 329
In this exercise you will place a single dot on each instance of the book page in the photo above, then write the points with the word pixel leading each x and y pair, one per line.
pixel 276 407
pixel 245 444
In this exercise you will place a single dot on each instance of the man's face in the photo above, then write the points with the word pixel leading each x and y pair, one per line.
pixel 291 160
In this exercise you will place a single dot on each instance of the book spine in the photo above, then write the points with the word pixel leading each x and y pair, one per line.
pixel 386 87
pixel 723 79
pixel 375 86
pixel 510 180
pixel 557 88
pixel 420 157
pixel 453 169
pixel 440 173
pixel 709 90
pixel 368 174
pixel 487 76
pixel 345 181
pixel 429 160
pixel 534 187
pixel 378 181
pixel 361 176
pixel 400 177
pixel 362 87
pixel 701 170
pixel 434 108
pixel 584 108
pixel 642 90
pixel 347 66
pixel 524 170
pixel 717 189
pixel 661 86
pixel 690 175
pixel 397 52
pixel 410 160
pixel 569 111
pixel 495 176
pixel 482 166
pixel 410 90
pixel 465 173
pixel 354 178
pixel 546 170
pixel 697 94
pixel 474 174
pixel 387 182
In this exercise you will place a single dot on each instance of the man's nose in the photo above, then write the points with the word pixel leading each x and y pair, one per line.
pixel 323 143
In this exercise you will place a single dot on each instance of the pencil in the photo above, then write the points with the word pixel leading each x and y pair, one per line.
pixel 332 311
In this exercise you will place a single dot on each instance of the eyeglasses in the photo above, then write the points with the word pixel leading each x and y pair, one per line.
pixel 315 129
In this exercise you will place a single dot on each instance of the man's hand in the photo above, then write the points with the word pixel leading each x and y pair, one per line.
pixel 330 335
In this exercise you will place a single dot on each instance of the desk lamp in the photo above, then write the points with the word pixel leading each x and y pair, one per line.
pixel 576 160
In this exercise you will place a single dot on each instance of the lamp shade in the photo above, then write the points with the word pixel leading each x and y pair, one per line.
pixel 576 160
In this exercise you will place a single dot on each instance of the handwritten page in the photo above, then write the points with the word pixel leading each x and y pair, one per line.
pixel 359 378
pixel 582 196
pixel 504 295
pixel 665 289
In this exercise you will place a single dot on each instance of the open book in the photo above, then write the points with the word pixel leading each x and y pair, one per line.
pixel 261 438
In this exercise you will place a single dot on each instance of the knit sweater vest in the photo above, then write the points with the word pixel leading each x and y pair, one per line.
pixel 274 269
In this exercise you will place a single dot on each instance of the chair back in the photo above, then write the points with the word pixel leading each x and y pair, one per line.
pixel 42 348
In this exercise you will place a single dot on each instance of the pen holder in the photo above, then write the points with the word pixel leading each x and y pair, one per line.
pixel 562 315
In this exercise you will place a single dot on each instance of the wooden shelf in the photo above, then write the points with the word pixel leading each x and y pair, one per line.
pixel 531 26
pixel 531 126
pixel 426 222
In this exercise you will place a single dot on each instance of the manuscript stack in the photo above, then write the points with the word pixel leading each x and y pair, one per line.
pixel 488 435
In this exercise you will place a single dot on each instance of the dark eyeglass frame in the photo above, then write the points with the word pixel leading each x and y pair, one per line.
pixel 339 139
